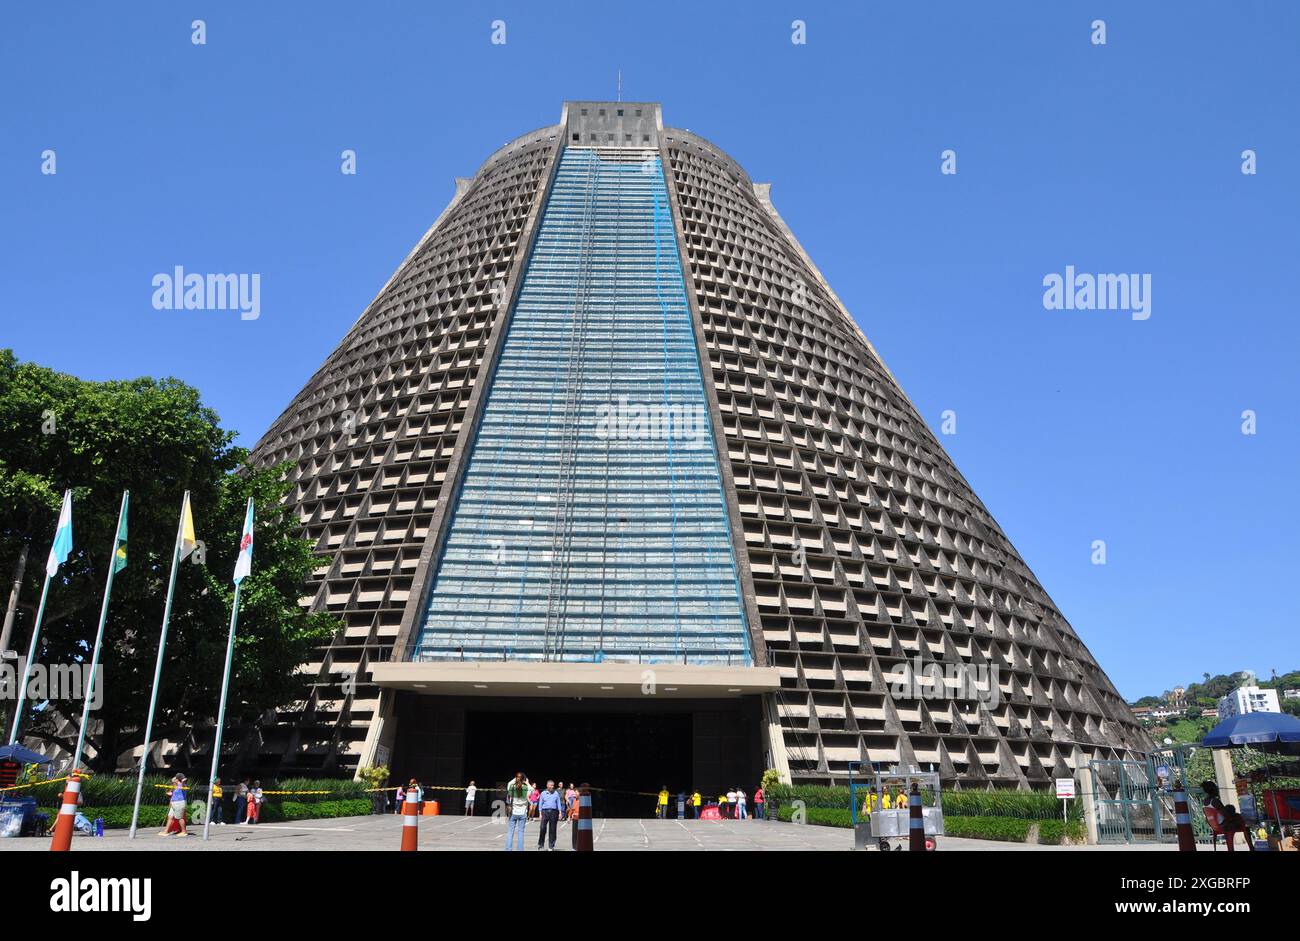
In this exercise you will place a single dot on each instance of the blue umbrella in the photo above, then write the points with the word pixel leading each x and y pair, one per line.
pixel 23 755
pixel 1274 732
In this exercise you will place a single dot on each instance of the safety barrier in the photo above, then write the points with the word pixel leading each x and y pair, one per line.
pixel 62 841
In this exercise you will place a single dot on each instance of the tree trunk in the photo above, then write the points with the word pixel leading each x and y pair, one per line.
pixel 20 569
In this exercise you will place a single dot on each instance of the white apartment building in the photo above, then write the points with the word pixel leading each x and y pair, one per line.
pixel 1246 699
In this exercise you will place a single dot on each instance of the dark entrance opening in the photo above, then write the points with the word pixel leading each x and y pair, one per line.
pixel 625 756
pixel 626 748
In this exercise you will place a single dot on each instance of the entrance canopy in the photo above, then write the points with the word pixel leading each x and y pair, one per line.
pixel 549 678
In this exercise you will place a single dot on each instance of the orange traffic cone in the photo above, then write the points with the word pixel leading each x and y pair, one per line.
pixel 916 821
pixel 62 841
pixel 586 842
pixel 411 822
pixel 1186 838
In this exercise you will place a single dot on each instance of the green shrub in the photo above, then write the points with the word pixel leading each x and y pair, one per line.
pixel 1025 805
pixel 316 810
pixel 100 790
pixel 1058 831
pixel 155 815
pixel 819 816
pixel 118 816
pixel 334 789
pixel 1005 829
pixel 116 790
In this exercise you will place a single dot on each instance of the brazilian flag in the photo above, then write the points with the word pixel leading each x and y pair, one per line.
pixel 119 554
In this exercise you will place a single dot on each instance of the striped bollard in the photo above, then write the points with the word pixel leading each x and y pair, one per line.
pixel 1186 838
pixel 916 821
pixel 585 843
pixel 62 841
pixel 411 822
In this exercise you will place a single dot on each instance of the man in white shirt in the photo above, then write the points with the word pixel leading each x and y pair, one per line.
pixel 469 799
pixel 731 801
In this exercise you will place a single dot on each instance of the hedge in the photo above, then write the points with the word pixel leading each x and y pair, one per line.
pixel 1057 831
pixel 1006 829
pixel 1003 828
pixel 155 815
pixel 108 790
pixel 1025 805
pixel 821 816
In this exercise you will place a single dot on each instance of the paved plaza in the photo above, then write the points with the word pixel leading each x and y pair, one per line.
pixel 383 833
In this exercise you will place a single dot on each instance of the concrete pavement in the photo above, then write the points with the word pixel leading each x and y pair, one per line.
pixel 383 833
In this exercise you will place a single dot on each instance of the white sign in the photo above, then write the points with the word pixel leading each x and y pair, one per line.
pixel 1064 787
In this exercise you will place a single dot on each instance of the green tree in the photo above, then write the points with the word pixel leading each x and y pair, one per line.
pixel 156 438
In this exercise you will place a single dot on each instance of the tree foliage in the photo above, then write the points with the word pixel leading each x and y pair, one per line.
pixel 157 439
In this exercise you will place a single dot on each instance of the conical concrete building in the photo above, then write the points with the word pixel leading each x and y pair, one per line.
pixel 607 484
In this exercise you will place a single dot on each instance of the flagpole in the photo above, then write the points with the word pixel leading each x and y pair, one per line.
pixel 40 614
pixel 99 634
pixel 27 665
pixel 221 711
pixel 230 656
pixel 157 668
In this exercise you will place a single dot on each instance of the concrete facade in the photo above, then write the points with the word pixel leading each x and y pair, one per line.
pixel 862 552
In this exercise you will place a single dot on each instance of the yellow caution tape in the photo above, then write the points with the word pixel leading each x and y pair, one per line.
pixel 19 787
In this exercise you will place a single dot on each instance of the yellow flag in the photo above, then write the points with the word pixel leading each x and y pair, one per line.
pixel 187 528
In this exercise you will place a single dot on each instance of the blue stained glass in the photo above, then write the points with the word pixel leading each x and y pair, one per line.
pixel 590 523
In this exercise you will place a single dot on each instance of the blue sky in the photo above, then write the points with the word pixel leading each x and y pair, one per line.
pixel 1072 426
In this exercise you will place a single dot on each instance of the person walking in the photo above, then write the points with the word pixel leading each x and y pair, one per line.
pixel 696 800
pixel 661 808
pixel 573 801
pixel 217 795
pixel 549 803
pixel 177 803
pixel 570 802
pixel 517 793
pixel 533 796
pixel 470 793
pixel 742 811
pixel 759 807
pixel 241 801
